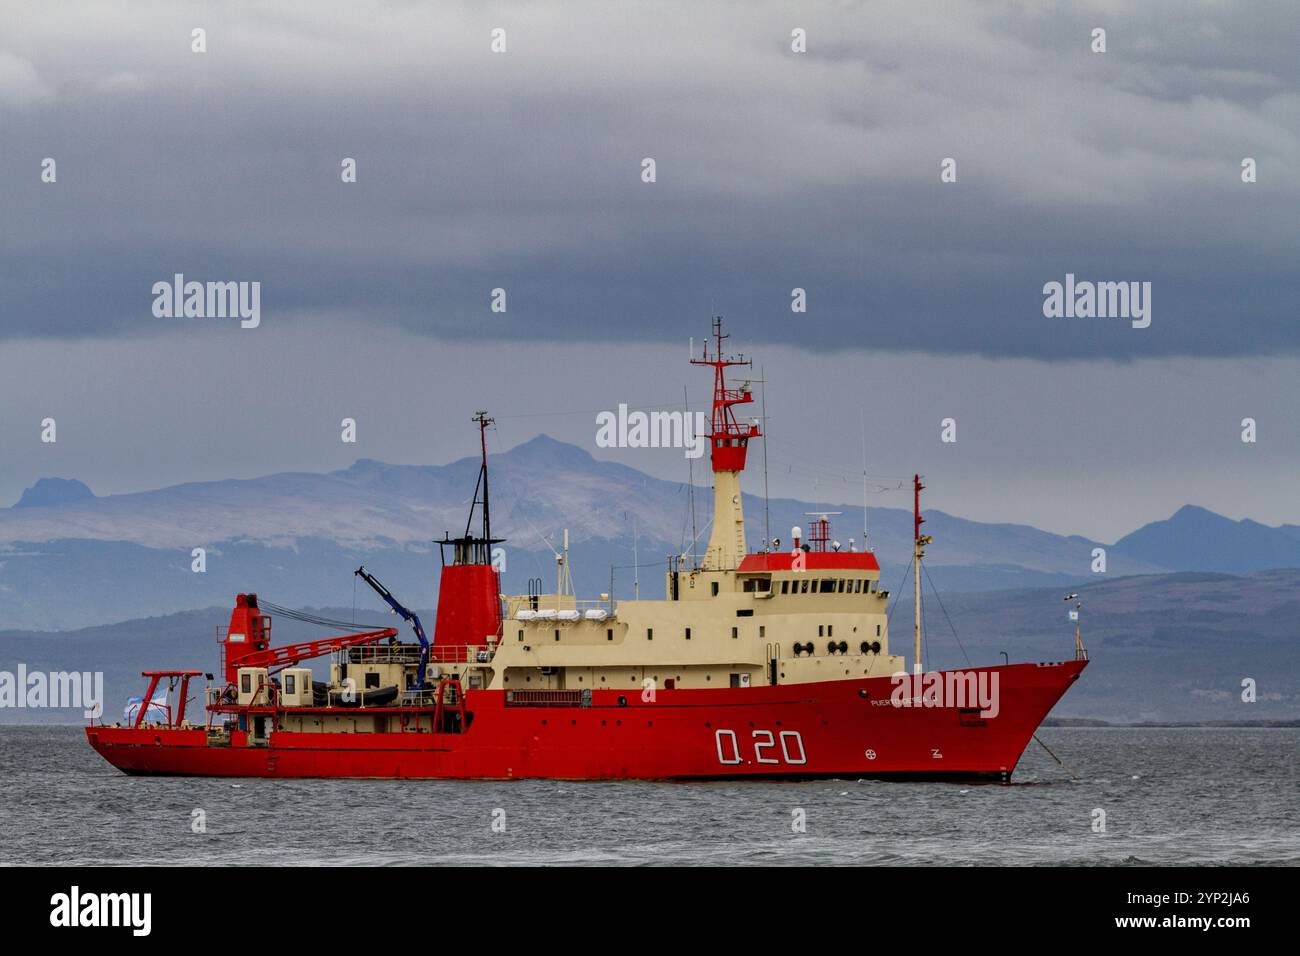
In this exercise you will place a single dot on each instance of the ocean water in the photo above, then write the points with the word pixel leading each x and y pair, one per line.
pixel 1186 796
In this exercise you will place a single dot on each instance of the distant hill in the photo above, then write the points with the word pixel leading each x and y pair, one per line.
pixel 54 491
pixel 70 559
pixel 1195 539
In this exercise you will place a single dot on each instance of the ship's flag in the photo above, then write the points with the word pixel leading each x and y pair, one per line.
pixel 157 709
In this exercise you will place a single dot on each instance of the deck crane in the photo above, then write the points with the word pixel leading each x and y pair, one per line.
pixel 247 642
pixel 409 616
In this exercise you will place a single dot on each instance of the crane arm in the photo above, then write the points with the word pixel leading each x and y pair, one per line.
pixel 290 654
pixel 407 615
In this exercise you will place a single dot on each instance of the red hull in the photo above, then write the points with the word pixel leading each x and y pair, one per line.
pixel 833 729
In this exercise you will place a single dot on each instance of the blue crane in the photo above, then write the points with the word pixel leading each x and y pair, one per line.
pixel 409 616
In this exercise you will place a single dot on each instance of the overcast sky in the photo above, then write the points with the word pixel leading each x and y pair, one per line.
pixel 774 170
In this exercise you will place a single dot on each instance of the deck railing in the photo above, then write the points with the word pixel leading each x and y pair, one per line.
pixel 410 654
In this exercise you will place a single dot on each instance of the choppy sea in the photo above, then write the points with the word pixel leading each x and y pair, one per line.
pixel 1124 797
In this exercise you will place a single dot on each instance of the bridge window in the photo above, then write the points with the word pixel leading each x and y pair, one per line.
pixel 828 585
pixel 785 587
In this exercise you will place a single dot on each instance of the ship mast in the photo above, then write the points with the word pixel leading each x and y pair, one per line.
pixel 471 548
pixel 919 541
pixel 728 441
pixel 483 421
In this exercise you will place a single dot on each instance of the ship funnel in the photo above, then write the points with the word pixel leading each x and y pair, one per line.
pixel 469 592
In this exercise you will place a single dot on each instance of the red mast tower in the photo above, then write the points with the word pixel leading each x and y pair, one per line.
pixel 729 442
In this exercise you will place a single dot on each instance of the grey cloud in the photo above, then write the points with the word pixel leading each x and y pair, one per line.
pixel 775 171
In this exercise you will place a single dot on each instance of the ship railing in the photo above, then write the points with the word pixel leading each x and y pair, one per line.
pixel 428 697
pixel 462 654
pixel 736 395
pixel 535 602
pixel 419 698
pixel 384 654
pixel 410 654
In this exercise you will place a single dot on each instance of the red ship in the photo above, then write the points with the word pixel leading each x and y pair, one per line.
pixel 754 665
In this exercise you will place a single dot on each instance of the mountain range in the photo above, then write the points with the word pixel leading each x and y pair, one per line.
pixel 70 559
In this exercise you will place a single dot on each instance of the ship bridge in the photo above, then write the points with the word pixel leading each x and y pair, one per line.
pixel 735 619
